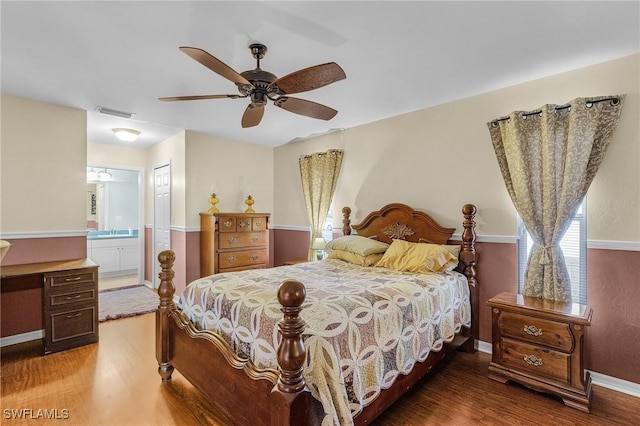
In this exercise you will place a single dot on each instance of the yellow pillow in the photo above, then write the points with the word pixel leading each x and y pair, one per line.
pixel 453 248
pixel 417 257
pixel 356 259
pixel 357 244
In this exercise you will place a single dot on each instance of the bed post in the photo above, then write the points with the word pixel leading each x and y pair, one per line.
pixel 346 221
pixel 163 313
pixel 468 258
pixel 290 395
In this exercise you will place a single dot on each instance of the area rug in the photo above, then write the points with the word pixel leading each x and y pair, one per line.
pixel 126 302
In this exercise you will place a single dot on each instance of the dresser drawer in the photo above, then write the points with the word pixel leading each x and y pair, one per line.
pixel 541 361
pixel 73 324
pixel 239 239
pixel 227 224
pixel 237 259
pixel 70 278
pixel 243 224
pixel 72 296
pixel 539 331
pixel 259 224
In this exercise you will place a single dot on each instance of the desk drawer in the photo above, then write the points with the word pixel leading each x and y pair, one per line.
pixel 538 331
pixel 69 278
pixel 239 240
pixel 73 296
pixel 237 259
pixel 541 361
pixel 73 324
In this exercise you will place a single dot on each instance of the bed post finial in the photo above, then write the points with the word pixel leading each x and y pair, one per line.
pixel 346 221
pixel 166 307
pixel 291 352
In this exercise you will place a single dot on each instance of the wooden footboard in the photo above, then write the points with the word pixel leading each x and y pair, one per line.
pixel 251 396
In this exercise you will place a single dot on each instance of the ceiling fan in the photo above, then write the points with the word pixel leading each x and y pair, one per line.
pixel 262 85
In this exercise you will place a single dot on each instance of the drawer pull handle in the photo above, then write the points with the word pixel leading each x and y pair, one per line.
pixel 258 223
pixel 227 224
pixel 231 259
pixel 244 223
pixel 533 360
pixel 255 239
pixel 255 257
pixel 232 240
pixel 533 330
pixel 73 279
pixel 74 315
pixel 77 296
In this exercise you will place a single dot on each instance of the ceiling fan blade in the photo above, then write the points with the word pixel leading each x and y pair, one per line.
pixel 304 107
pixel 215 65
pixel 252 115
pixel 198 97
pixel 308 79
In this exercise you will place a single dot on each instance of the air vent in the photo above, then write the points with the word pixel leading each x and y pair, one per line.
pixel 115 112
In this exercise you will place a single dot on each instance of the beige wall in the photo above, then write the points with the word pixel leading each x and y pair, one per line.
pixel 232 168
pixel 419 158
pixel 115 156
pixel 44 155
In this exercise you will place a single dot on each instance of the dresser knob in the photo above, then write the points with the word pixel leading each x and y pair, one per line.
pixel 255 239
pixel 258 223
pixel 533 330
pixel 232 240
pixel 231 259
pixel 255 257
pixel 533 360
pixel 227 224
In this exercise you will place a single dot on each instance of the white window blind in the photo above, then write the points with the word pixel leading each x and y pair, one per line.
pixel 574 248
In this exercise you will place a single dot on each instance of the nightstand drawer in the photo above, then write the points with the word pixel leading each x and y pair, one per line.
pixel 536 330
pixel 541 361
pixel 58 299
pixel 238 240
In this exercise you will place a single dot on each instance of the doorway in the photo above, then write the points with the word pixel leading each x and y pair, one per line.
pixel 161 215
pixel 115 224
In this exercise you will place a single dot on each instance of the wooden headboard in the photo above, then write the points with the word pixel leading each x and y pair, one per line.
pixel 398 221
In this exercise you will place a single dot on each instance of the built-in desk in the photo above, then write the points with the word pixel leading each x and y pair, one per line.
pixel 69 299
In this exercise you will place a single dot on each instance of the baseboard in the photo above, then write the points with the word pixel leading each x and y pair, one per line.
pixel 599 379
pixel 21 338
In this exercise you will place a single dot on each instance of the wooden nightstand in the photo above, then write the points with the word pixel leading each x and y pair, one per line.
pixel 540 344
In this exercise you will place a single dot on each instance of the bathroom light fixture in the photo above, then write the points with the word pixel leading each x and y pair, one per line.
pixel 104 176
pixel 127 135
pixel 115 112
pixel 91 174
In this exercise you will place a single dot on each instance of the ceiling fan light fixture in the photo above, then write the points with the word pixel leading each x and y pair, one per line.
pixel 126 135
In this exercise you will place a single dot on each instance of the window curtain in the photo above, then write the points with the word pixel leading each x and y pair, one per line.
pixel 548 159
pixel 319 173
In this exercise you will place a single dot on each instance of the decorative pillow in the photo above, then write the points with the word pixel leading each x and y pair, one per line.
pixel 357 244
pixel 354 258
pixel 453 248
pixel 417 257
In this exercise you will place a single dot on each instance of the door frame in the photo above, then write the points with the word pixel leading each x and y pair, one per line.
pixel 141 202
pixel 154 261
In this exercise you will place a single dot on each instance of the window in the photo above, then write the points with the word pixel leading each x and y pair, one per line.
pixel 327 230
pixel 574 248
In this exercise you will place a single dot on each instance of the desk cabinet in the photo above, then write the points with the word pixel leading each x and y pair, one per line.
pixel 540 344
pixel 69 300
pixel 233 242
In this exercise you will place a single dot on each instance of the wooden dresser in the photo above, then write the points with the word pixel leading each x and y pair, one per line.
pixel 540 344
pixel 70 299
pixel 233 242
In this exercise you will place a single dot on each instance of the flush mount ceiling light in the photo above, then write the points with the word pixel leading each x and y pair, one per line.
pixel 127 135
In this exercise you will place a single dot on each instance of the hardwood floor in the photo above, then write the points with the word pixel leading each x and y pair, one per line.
pixel 107 283
pixel 115 382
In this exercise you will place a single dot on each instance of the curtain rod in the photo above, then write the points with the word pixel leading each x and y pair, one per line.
pixel 589 104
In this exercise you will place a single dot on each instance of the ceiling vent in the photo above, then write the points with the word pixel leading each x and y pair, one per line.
pixel 115 112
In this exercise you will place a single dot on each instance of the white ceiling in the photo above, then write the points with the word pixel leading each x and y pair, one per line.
pixel 398 56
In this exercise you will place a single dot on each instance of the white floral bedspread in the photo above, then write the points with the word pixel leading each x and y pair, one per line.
pixel 365 325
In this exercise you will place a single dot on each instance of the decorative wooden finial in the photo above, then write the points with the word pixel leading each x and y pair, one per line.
pixel 346 221
pixel 291 352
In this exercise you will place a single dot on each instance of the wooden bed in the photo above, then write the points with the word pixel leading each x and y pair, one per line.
pixel 250 396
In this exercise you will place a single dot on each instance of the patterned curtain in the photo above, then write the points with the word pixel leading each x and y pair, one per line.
pixel 548 159
pixel 319 173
